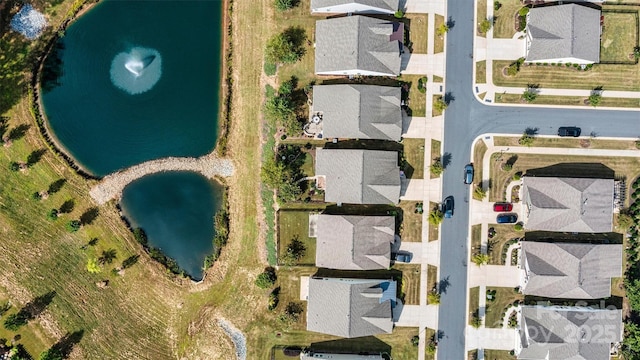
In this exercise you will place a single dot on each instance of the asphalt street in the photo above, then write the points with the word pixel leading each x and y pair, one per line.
pixel 464 120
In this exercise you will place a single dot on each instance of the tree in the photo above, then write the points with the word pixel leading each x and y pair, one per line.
pixel 285 47
pixel 266 279
pixel 36 196
pixel 440 105
pixel 433 297
pixel 479 193
pixel 485 25
pixel 480 259
pixel 14 166
pixel 92 266
pixel 294 252
pixel 530 94
pixel 14 321
pixel 289 191
pixel 624 220
pixel 283 5
pixel 526 140
pixel 107 256
pixel 435 217
pixel 595 98
pixel 73 226
pixel 430 349
pixel 476 321
pixel 51 354
pixel 52 214
pixel 436 168
pixel 291 313
pixel 497 5
pixel 442 29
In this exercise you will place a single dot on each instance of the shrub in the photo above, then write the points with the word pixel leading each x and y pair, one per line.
pixel 480 259
pixel 92 266
pixel 497 5
pixel 285 47
pixel 433 298
pixel 291 313
pixel 524 11
pixel 14 166
pixel 283 5
pixel 422 84
pixel 52 214
pixel 479 193
pixel 73 226
pixel 399 14
pixel 594 99
pixel 270 68
pixel 507 166
pixel 476 321
pixel 140 236
pixel 436 168
pixel 266 279
pixel 415 341
pixel 485 25
pixel 517 176
pixel 517 227
pixel 435 217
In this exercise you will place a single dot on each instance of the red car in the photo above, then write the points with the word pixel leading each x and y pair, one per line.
pixel 502 207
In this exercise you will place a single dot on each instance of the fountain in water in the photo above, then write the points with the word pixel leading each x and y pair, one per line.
pixel 136 71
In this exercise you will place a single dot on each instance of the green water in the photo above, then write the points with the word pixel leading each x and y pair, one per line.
pixel 106 128
pixel 176 210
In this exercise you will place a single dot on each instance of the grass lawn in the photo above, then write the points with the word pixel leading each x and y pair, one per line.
pixel 295 224
pixel 482 95
pixel 504 24
pixel 410 286
pixel 478 153
pixel 299 16
pixel 567 100
pixel 498 355
pixel 432 277
pixel 289 284
pixel 569 143
pixel 437 79
pixel 474 301
pixel 429 335
pixel 619 36
pixel 481 15
pixel 433 230
pixel 436 145
pixel 434 111
pixel 438 45
pixel 496 308
pixel 411 222
pixel 623 167
pixel 504 233
pixel 414 154
pixel 609 76
pixel 481 72
pixel 472 355
pixel 476 240
pixel 417 32
pixel 417 100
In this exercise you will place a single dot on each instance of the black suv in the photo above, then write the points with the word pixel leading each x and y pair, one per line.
pixel 569 131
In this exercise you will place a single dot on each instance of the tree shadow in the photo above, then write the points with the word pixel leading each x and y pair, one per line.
pixel 67 206
pixel 443 285
pixel 89 215
pixel 451 23
pixel 448 97
pixel 512 160
pixel 52 68
pixel 446 159
pixel 297 36
pixel 16 61
pixel 35 156
pixel 65 345
pixel 574 170
pixel 18 132
pixel 130 261
pixel 35 307
pixel 4 126
pixel 531 131
pixel 362 346
pixel 55 186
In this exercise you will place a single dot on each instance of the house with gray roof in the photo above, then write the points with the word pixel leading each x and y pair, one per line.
pixel 358 45
pixel 354 6
pixel 358 176
pixel 350 307
pixel 562 333
pixel 568 204
pixel 569 270
pixel 567 33
pixel 354 242
pixel 358 111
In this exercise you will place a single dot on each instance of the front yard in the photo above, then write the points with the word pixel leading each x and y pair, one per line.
pixel 410 286
pixel 567 100
pixel 503 299
pixel 417 28
pixel 499 243
pixel 414 156
pixel 411 228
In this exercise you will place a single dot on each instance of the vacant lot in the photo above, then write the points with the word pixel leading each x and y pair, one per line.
pixel 504 298
pixel 619 36
pixel 295 225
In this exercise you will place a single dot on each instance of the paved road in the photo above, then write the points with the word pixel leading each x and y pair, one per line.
pixel 465 119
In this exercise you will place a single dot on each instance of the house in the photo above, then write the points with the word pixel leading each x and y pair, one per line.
pixel 567 33
pixel 358 45
pixel 358 176
pixel 354 6
pixel 560 333
pixel 350 307
pixel 568 204
pixel 312 355
pixel 359 111
pixel 352 242
pixel 569 270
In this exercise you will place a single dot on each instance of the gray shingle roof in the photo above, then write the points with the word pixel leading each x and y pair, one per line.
pixel 564 31
pixel 359 176
pixel 570 270
pixel 390 5
pixel 350 242
pixel 556 333
pixel 359 111
pixel 358 43
pixel 350 307
pixel 569 204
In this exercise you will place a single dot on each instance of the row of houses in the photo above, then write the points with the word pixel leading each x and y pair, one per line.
pixel 572 270
pixel 355 45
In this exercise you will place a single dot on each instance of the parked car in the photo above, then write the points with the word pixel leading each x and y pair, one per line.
pixel 502 207
pixel 569 131
pixel 404 257
pixel 468 174
pixel 447 207
pixel 507 218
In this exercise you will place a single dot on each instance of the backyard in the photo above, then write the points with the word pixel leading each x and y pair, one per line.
pixel 504 298
pixel 619 36
pixel 294 224
pixel 411 221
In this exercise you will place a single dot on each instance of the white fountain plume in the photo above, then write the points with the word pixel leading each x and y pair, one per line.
pixel 137 70
pixel 134 66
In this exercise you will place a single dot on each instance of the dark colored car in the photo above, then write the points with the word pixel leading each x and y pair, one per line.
pixel 507 218
pixel 569 131
pixel 447 207
pixel 468 174
pixel 404 257
pixel 502 207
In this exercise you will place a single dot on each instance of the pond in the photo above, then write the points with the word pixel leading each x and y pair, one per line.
pixel 132 81
pixel 176 210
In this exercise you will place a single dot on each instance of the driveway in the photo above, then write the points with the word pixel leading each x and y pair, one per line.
pixel 506 49
pixel 497 339
pixel 411 315
pixel 414 248
pixel 414 127
pixel 422 64
pixel 412 189
pixel 482 212
pixel 422 6
pixel 494 275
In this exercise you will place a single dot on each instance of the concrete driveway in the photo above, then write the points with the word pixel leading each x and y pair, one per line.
pixel 422 64
pixel 412 189
pixel 494 275
pixel 506 49
pixel 482 212
pixel 411 315
pixel 422 6
pixel 415 248
pixel 485 338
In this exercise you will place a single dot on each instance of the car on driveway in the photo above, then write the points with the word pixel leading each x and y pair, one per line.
pixel 572 131
pixel 507 218
pixel 502 207
pixel 447 207
pixel 468 174
pixel 404 257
